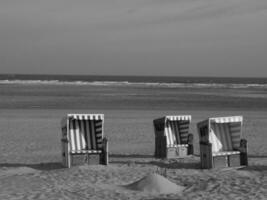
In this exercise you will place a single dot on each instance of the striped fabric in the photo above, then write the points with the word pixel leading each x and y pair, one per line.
pixel 235 129
pixel 184 130
pixel 227 119
pixel 86 116
pixel 178 117
pixel 172 133
pixel 85 133
pixel 81 116
pixel 220 137
pixel 223 132
pixel 176 132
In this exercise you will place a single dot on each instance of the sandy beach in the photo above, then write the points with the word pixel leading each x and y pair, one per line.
pixel 30 162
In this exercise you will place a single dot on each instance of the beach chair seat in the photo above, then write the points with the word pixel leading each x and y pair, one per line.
pixel 172 138
pixel 221 143
pixel 177 145
pixel 86 151
pixel 225 153
pixel 82 134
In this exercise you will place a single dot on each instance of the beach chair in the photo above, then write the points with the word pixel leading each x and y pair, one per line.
pixel 172 138
pixel 82 134
pixel 221 143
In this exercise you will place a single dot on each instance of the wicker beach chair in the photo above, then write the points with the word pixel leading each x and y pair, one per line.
pixel 221 143
pixel 82 134
pixel 172 138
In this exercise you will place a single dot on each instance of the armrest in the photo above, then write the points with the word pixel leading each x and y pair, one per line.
pixel 243 152
pixel 243 146
pixel 104 157
pixel 105 144
pixel 190 138
pixel 190 144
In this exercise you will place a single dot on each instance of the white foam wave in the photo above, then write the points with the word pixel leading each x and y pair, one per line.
pixel 140 84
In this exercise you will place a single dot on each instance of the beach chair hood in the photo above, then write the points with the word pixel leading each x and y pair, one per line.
pixel 224 133
pixel 82 134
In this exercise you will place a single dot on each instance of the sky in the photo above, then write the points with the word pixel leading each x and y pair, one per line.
pixel 134 37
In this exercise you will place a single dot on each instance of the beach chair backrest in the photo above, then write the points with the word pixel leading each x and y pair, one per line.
pixel 225 133
pixel 175 128
pixel 85 131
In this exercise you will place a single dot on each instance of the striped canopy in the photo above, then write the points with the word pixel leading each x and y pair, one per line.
pixel 81 117
pixel 227 119
pixel 84 131
pixel 224 133
pixel 178 117
pixel 174 127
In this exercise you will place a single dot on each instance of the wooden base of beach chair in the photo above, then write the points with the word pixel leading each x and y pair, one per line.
pixel 81 159
pixel 73 159
pixel 223 159
pixel 89 159
pixel 226 161
pixel 177 151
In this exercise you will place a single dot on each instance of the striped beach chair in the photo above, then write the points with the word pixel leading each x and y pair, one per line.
pixel 172 138
pixel 221 143
pixel 82 134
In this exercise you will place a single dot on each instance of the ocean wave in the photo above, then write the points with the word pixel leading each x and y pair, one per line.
pixel 140 84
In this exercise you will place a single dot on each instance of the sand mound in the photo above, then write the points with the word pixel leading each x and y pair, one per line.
pixel 155 183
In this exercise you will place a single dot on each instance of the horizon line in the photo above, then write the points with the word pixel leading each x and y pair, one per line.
pixel 145 76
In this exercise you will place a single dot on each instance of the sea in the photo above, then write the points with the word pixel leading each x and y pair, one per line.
pixel 27 91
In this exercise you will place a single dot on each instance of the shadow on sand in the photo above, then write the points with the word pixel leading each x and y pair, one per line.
pixel 260 168
pixel 38 166
pixel 179 163
pixel 163 199
pixel 130 156
pixel 257 156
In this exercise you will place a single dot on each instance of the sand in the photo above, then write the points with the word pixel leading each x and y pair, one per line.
pixel 155 183
pixel 101 182
pixel 30 162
